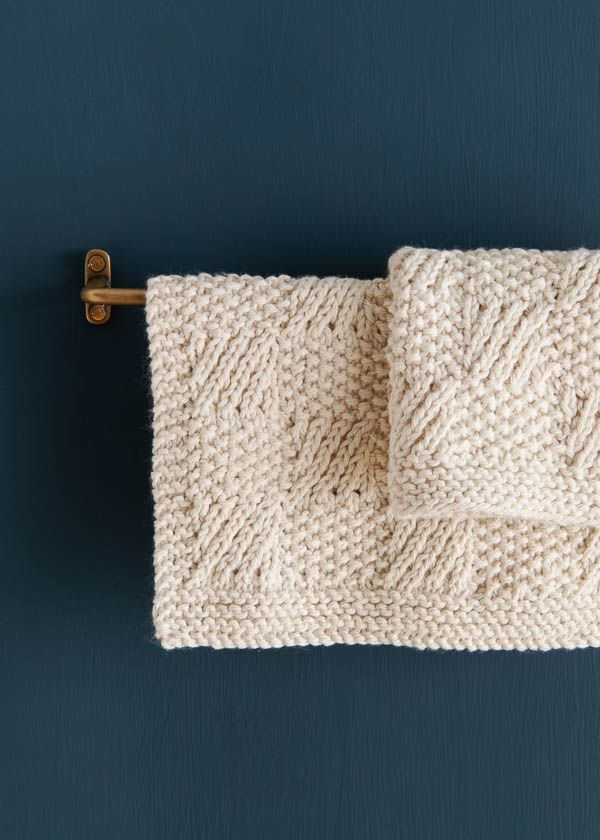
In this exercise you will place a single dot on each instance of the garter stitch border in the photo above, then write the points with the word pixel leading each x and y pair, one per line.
pixel 308 488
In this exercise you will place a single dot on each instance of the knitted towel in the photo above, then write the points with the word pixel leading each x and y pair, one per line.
pixel 407 461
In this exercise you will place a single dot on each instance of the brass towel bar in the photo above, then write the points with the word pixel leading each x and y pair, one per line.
pixel 98 295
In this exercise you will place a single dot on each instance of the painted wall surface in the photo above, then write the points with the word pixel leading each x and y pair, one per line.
pixel 311 137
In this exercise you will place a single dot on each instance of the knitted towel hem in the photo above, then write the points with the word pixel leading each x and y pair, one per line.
pixel 354 617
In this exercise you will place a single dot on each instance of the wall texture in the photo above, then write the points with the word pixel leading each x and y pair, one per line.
pixel 262 137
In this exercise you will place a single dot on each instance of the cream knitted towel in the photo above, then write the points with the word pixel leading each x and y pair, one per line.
pixel 409 461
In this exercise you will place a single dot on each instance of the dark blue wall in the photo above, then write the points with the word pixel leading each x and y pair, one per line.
pixel 312 136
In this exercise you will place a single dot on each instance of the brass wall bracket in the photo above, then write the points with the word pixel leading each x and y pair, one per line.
pixel 97 276
pixel 97 294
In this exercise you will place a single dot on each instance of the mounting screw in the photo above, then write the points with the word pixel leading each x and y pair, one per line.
pixel 97 311
pixel 96 263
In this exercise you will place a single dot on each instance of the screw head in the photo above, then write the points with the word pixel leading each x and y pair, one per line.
pixel 96 263
pixel 97 312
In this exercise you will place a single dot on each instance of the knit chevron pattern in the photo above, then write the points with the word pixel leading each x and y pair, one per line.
pixel 337 460
pixel 496 384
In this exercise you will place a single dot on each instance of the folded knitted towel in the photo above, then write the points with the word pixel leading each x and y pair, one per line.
pixel 496 384
pixel 353 461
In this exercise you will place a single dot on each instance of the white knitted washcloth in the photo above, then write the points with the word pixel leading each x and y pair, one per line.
pixel 410 461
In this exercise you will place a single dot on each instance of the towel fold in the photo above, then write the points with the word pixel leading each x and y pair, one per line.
pixel 407 461
pixel 495 379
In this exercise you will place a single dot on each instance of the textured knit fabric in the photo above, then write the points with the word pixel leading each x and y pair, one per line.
pixel 405 461
pixel 496 384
